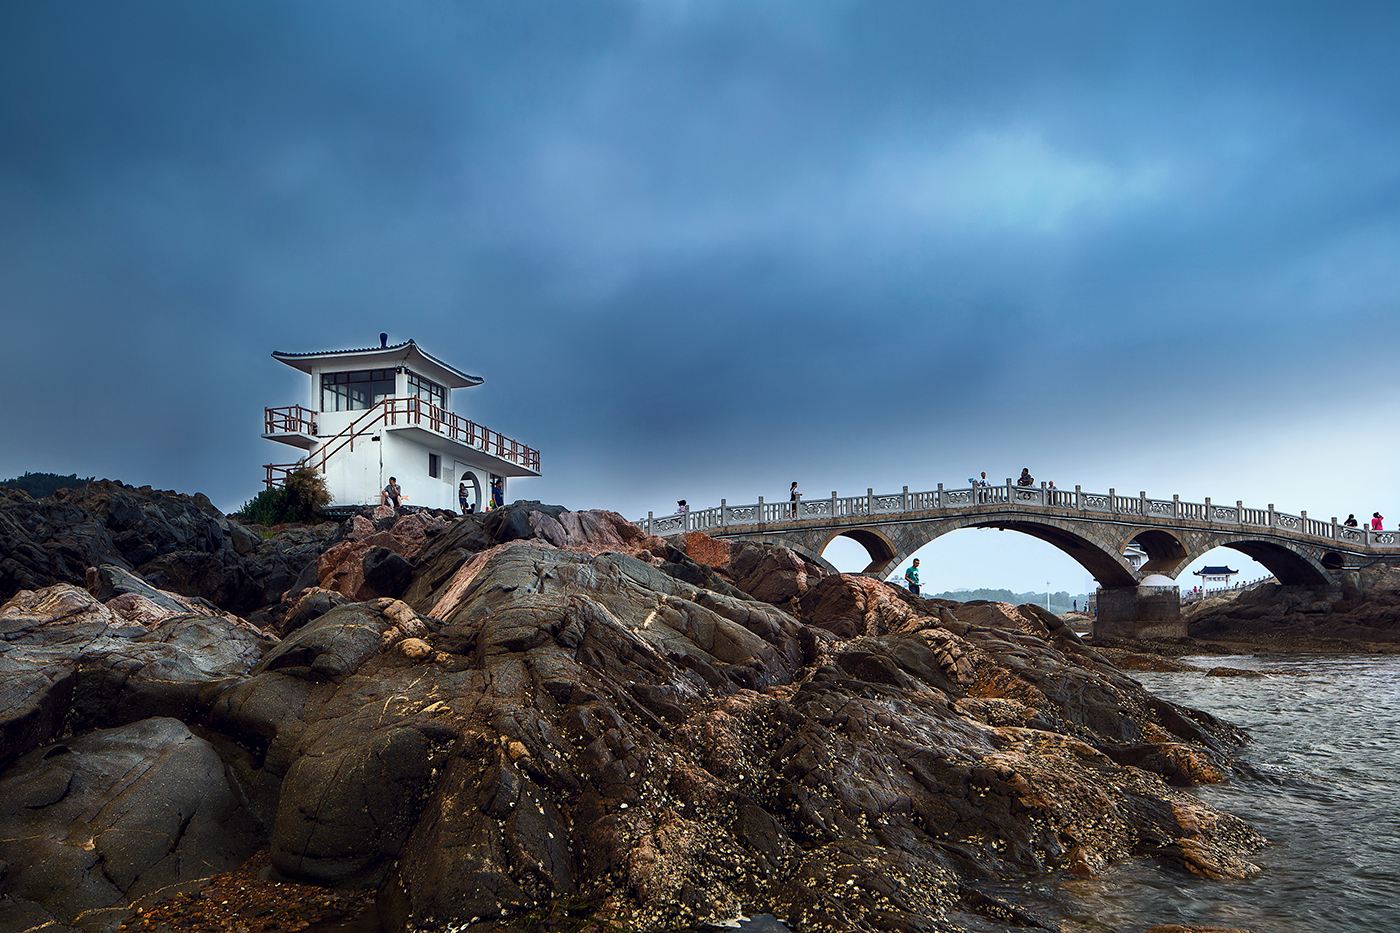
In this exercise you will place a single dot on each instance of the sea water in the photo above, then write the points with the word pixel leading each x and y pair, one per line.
pixel 1326 746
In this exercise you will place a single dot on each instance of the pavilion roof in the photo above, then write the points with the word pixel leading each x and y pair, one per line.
pixel 1215 572
pixel 396 354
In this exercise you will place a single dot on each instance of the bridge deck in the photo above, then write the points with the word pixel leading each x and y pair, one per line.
pixel 1108 507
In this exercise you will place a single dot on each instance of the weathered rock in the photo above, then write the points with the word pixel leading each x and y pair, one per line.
pixel 385 573
pixel 415 649
pixel 331 645
pixel 849 606
pixel 310 604
pixel 772 574
pixel 564 719
pixel 371 560
pixel 174 542
pixel 594 532
pixel 97 821
pixel 71 662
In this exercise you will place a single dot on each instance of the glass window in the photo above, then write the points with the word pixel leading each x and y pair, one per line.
pixel 434 465
pixel 426 389
pixel 356 390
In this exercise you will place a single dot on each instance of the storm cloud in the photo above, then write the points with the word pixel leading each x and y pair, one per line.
pixel 703 249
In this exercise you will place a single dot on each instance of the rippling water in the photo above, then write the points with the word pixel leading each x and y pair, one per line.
pixel 1326 736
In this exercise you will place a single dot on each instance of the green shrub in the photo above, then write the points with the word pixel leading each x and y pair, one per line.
pixel 268 507
pixel 307 495
pixel 301 499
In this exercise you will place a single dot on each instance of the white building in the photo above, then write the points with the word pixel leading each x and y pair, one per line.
pixel 388 411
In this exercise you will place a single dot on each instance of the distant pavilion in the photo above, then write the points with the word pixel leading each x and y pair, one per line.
pixel 1220 575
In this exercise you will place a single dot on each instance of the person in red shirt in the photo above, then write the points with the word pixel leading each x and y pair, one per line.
pixel 1376 521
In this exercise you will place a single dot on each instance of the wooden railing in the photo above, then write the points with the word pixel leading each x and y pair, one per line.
pixel 403 412
pixel 289 419
pixel 1108 505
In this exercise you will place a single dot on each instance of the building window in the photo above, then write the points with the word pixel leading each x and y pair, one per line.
pixel 427 390
pixel 357 390
pixel 434 466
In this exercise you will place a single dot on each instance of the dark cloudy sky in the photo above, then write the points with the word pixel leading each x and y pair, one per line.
pixel 705 248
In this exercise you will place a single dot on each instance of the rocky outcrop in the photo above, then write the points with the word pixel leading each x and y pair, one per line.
pixel 173 541
pixel 563 719
pixel 1366 611
pixel 371 558
pixel 70 662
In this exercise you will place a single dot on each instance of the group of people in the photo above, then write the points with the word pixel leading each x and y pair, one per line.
pixel 981 484
pixel 1377 521
pixel 392 495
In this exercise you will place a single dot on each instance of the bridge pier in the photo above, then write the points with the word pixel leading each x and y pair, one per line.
pixel 1127 613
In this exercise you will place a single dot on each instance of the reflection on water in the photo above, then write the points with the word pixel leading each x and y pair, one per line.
pixel 1326 736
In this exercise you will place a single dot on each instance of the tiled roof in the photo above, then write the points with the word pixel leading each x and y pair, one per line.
pixel 1214 571
pixel 409 346
pixel 392 346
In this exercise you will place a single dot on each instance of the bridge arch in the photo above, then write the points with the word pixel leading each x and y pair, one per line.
pixel 883 554
pixel 1289 566
pixel 1103 563
pixel 1166 553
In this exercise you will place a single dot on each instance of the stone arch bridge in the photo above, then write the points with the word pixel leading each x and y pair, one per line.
pixel 1093 528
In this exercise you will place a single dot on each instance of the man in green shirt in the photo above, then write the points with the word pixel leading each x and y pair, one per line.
pixel 911 576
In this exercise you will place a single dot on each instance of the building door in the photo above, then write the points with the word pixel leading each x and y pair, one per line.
pixel 466 475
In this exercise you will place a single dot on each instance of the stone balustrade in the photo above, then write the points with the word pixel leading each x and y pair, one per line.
pixel 1110 505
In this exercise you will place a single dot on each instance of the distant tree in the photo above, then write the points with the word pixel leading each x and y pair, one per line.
pixel 40 485
pixel 1060 601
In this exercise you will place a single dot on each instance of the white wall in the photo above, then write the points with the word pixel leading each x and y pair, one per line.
pixel 356 477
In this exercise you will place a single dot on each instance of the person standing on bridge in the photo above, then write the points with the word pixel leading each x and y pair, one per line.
pixel 1025 479
pixel 1377 521
pixel 981 485
pixel 911 576
pixel 793 497
pixel 1351 520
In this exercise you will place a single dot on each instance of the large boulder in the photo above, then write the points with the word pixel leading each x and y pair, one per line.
pixel 91 824
pixel 372 558
pixel 69 661
pixel 593 532
pixel 385 573
pixel 771 573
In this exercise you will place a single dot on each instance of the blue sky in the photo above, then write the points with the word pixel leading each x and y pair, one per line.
pixel 703 249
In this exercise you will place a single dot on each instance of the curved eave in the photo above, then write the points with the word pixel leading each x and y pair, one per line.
pixel 399 354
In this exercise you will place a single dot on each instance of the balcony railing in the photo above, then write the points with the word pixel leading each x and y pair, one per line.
pixel 289 419
pixel 392 412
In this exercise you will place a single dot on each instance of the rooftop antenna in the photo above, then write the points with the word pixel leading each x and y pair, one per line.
pixel 383 340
